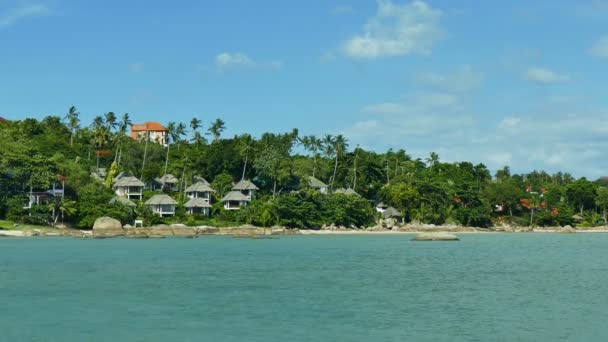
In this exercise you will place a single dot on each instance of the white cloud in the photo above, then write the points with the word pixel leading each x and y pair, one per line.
pixel 600 48
pixel 239 61
pixel 547 136
pixel 461 80
pixel 396 30
pixel 15 15
pixel 544 76
pixel 226 61
pixel 342 10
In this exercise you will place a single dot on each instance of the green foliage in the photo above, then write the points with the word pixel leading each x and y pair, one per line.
pixel 35 152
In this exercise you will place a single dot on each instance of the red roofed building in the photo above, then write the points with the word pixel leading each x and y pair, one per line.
pixel 154 130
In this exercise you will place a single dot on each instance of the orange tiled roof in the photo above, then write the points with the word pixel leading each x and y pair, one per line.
pixel 148 126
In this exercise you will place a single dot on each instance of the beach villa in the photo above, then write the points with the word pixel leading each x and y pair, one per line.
pixel 126 185
pixel 349 192
pixel 235 200
pixel 247 188
pixel 316 184
pixel 242 193
pixel 167 182
pixel 155 132
pixel 162 205
pixel 198 205
pixel 200 190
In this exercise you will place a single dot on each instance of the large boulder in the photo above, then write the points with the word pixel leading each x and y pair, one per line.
pixel 107 227
pixel 435 237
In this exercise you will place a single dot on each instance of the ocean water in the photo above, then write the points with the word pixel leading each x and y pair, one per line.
pixel 494 287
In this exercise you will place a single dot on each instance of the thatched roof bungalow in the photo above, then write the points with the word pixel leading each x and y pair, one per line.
pixel 162 205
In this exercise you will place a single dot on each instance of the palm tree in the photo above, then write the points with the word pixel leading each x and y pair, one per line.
pixel 122 133
pixel 180 131
pixel 315 145
pixel 100 135
pixel 216 129
pixel 329 149
pixel 195 124
pixel 245 142
pixel 171 136
pixel 110 119
pixel 73 122
pixel 433 159
pixel 340 145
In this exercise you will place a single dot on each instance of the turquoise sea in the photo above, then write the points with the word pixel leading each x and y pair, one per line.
pixel 486 287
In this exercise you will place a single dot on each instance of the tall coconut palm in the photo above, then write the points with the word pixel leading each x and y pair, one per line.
pixel 180 131
pixel 124 123
pixel 100 135
pixel 195 124
pixel 329 150
pixel 216 129
pixel 340 145
pixel 245 143
pixel 314 145
pixel 110 120
pixel 73 122
pixel 171 136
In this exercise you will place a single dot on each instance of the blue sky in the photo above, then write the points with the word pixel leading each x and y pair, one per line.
pixel 514 82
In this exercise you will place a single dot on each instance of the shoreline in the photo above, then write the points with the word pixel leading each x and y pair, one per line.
pixel 251 231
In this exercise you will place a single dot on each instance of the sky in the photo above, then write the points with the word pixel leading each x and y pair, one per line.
pixel 518 83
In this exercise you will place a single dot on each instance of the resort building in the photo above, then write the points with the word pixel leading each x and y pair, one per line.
pixel 153 130
pixel 162 205
pixel 235 200
pixel 167 182
pixel 198 205
pixel 316 184
pixel 200 190
pixel 126 185
pixel 247 188
pixel 348 191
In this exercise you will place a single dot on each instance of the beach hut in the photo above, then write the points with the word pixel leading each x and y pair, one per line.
pixel 349 192
pixel 316 184
pixel 246 188
pixel 126 185
pixel 167 182
pixel 235 200
pixel 162 205
pixel 391 212
pixel 200 190
pixel 198 205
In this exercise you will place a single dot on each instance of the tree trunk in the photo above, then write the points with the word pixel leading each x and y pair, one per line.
pixel 335 169
pixel 531 216
pixel 245 166
pixel 314 165
pixel 167 159
pixel 72 139
pixel 143 164
pixel 274 188
pixel 355 174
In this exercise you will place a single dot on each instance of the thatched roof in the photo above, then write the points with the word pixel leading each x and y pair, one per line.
pixel 199 187
pixel 381 205
pixel 348 191
pixel 198 179
pixel 316 183
pixel 166 179
pixel 197 203
pixel 234 196
pixel 122 174
pixel 122 200
pixel 244 185
pixel 161 199
pixel 391 212
pixel 128 181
